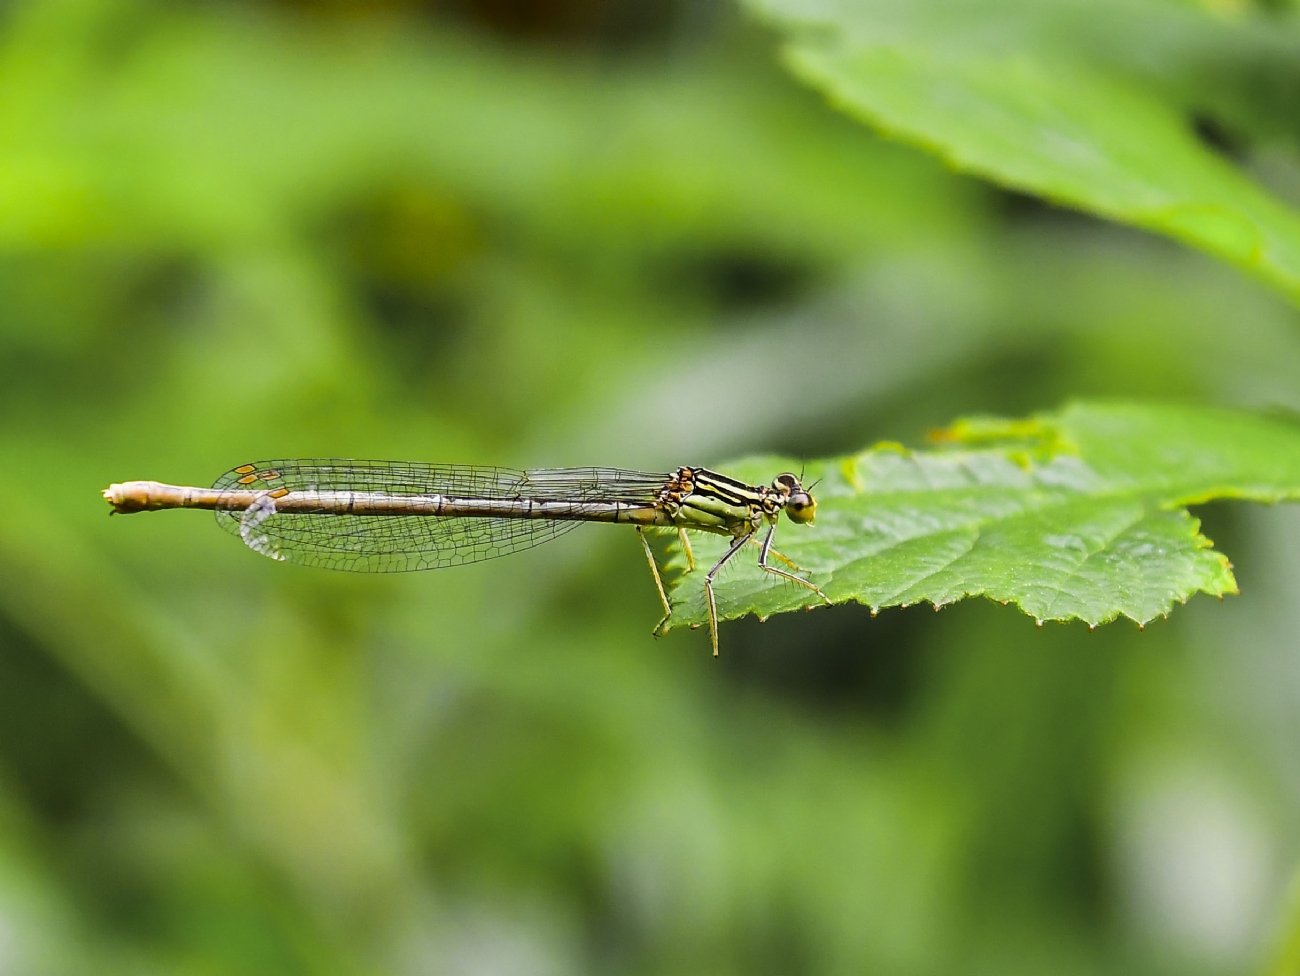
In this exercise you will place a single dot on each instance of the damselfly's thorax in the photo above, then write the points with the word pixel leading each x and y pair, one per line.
pixel 703 499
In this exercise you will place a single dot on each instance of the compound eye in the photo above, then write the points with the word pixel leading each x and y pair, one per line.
pixel 801 507
pixel 786 481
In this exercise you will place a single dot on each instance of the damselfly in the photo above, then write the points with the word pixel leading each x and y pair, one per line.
pixel 396 516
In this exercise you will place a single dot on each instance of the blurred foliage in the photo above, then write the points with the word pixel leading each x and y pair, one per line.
pixel 565 233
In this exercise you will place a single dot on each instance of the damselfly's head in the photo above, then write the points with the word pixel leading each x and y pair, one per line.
pixel 799 504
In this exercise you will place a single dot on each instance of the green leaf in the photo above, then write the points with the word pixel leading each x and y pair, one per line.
pixel 1088 105
pixel 1080 514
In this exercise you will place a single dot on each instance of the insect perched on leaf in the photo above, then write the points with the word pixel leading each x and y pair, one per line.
pixel 397 516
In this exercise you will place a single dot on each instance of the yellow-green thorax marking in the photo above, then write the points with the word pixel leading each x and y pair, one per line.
pixel 697 498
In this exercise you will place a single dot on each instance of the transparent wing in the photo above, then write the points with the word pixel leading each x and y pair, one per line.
pixel 395 544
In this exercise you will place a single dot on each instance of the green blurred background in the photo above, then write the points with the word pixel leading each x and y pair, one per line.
pixel 577 232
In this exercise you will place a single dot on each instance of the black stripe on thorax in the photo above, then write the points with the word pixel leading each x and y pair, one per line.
pixel 730 490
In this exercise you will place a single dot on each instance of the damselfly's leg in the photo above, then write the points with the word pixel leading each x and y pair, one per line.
pixel 659 583
pixel 708 587
pixel 785 559
pixel 762 562
pixel 686 548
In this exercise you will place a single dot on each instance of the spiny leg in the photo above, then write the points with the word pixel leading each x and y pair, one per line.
pixel 708 586
pixel 686 548
pixel 785 559
pixel 762 562
pixel 659 583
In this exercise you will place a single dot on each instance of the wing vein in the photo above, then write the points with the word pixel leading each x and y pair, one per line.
pixel 394 544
